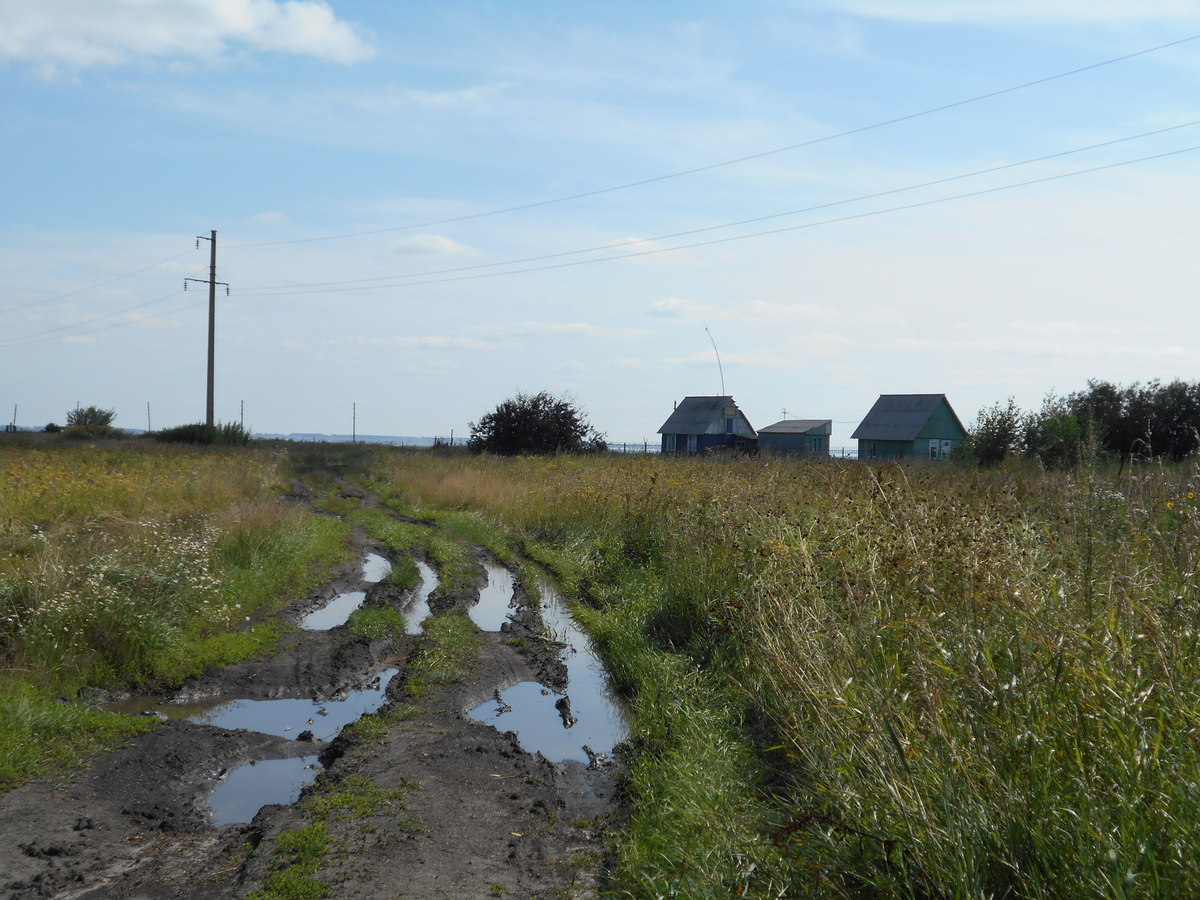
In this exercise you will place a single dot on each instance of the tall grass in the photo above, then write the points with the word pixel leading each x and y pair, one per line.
pixel 139 567
pixel 900 681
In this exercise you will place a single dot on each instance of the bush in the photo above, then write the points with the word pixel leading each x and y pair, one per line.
pixel 539 424
pixel 228 434
pixel 90 422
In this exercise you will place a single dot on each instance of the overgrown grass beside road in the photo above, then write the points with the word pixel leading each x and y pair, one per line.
pixel 857 681
pixel 137 567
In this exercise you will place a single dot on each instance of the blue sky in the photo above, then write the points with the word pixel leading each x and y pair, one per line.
pixel 413 202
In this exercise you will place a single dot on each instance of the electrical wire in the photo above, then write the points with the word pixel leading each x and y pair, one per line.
pixel 38 339
pixel 270 290
pixel 730 162
pixel 741 237
pixel 94 286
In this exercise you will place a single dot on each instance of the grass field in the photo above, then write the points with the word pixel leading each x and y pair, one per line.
pixel 845 680
pixel 857 681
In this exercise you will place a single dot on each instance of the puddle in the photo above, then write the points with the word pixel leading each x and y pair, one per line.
pixel 339 609
pixel 546 723
pixel 495 599
pixel 375 568
pixel 416 611
pixel 251 787
pixel 289 718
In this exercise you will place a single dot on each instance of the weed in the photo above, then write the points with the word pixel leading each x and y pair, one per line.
pixel 447 654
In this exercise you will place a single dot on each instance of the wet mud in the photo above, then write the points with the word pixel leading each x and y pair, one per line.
pixel 481 815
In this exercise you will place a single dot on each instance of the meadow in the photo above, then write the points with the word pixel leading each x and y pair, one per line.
pixel 900 681
pixel 845 680
pixel 126 567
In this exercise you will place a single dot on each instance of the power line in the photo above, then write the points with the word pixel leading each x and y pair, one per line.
pixel 741 159
pixel 39 339
pixel 742 237
pixel 94 286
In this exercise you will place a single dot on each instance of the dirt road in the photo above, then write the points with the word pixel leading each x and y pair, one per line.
pixel 424 803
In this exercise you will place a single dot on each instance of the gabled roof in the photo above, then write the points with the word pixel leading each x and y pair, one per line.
pixel 799 426
pixel 695 415
pixel 900 417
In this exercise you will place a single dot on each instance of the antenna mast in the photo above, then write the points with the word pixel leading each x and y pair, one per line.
pixel 718 353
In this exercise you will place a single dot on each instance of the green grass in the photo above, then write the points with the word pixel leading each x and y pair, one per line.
pixel 42 734
pixel 139 568
pixel 376 622
pixel 447 654
pixel 298 855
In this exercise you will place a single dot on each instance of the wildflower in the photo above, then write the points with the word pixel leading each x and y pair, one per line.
pixel 1170 504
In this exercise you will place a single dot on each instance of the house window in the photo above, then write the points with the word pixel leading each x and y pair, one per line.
pixel 729 424
pixel 816 445
pixel 668 443
pixel 934 449
pixel 947 446
pixel 691 443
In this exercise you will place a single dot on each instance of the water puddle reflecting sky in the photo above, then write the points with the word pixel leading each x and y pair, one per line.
pixel 416 611
pixel 340 608
pixel 495 599
pixel 545 721
pixel 291 717
pixel 251 787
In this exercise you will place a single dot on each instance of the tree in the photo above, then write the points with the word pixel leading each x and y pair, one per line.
pixel 90 417
pixel 90 422
pixel 996 434
pixel 537 424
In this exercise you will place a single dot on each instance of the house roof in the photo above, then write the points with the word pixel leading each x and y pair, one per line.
pixel 694 415
pixel 900 417
pixel 799 426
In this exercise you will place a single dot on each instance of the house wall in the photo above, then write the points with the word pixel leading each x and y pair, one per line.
pixel 704 442
pixel 795 444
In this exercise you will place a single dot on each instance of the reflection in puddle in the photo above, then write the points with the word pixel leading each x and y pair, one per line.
pixel 417 609
pixel 338 610
pixel 495 599
pixel 375 568
pixel 544 723
pixel 251 787
pixel 290 718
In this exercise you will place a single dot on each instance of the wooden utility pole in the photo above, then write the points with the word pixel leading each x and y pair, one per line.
pixel 212 317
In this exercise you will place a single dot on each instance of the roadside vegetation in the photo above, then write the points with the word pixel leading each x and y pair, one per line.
pixel 844 680
pixel 858 681
pixel 136 567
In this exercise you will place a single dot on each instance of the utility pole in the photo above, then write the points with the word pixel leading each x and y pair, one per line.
pixel 148 428
pixel 212 316
pixel 354 423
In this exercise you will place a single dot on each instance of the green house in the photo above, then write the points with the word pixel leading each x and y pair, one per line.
pixel 916 426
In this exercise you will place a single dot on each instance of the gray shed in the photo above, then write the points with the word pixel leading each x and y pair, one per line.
pixel 797 437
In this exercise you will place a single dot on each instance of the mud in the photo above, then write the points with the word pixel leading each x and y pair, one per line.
pixel 471 813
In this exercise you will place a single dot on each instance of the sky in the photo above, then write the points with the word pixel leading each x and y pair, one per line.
pixel 424 208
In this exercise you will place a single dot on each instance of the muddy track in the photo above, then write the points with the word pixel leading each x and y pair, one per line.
pixel 457 809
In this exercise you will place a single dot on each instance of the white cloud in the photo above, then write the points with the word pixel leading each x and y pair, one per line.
pixel 1019 10
pixel 77 34
pixel 432 245
pixel 579 329
pixel 272 218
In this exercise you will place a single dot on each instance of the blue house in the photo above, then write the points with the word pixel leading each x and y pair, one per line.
pixel 704 423
pixel 921 426
pixel 797 437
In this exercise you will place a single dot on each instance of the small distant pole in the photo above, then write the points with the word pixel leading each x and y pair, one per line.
pixel 451 437
pixel 14 425
pixel 148 428
pixel 242 417
pixel 354 423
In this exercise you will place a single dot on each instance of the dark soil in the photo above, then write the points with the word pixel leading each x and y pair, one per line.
pixel 467 813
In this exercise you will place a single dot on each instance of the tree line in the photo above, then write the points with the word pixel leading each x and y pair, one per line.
pixel 1151 420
